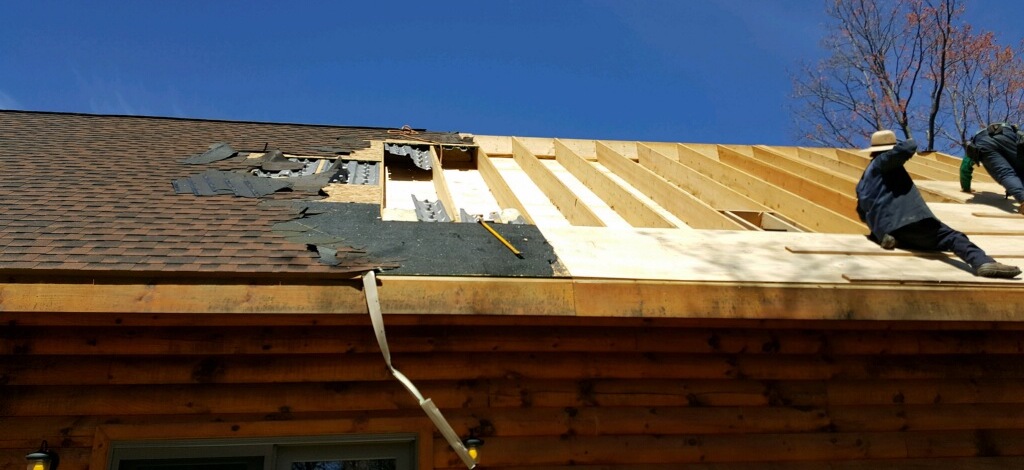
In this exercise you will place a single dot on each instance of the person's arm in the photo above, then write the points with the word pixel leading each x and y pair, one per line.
pixel 966 174
pixel 897 156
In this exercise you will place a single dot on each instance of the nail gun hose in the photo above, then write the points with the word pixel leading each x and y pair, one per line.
pixel 501 239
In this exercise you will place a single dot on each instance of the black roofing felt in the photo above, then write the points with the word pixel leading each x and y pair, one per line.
pixel 440 249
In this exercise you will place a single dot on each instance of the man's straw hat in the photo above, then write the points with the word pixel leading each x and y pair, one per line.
pixel 882 141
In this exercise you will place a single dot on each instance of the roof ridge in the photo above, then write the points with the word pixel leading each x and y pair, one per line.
pixel 194 119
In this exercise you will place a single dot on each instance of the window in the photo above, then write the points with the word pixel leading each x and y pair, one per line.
pixel 368 452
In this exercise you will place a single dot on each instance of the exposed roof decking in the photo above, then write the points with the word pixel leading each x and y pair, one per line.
pixel 804 189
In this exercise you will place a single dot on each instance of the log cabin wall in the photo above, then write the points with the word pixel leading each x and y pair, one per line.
pixel 542 392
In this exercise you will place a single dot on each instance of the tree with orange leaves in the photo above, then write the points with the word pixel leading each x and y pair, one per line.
pixel 908 65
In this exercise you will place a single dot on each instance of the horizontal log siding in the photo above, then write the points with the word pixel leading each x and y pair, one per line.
pixel 728 395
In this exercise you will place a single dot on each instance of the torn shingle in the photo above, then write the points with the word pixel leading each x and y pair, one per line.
pixel 275 161
pixel 216 152
pixel 213 182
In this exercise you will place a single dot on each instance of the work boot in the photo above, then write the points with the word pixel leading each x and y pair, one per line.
pixel 999 270
pixel 888 242
pixel 1020 209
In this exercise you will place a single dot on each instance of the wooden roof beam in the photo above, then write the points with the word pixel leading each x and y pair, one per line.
pixel 856 160
pixel 946 158
pixel 623 202
pixel 830 163
pixel 805 169
pixel 712 192
pixel 950 165
pixel 444 194
pixel 574 210
pixel 689 209
pixel 500 188
pixel 825 196
pixel 818 159
pixel 917 170
pixel 791 206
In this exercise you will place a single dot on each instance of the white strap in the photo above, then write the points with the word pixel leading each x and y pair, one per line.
pixel 377 318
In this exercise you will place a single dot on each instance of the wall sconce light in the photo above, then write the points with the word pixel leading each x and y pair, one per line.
pixel 43 459
pixel 473 447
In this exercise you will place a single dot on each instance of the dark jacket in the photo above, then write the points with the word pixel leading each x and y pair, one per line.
pixel 886 196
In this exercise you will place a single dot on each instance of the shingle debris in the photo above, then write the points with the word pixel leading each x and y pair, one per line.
pixel 275 162
pixel 214 182
pixel 217 152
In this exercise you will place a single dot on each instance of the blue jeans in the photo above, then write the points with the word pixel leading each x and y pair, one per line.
pixel 933 235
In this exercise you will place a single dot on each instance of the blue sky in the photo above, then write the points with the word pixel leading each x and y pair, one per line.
pixel 690 71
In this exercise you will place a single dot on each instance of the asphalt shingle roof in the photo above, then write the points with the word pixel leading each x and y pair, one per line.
pixel 88 192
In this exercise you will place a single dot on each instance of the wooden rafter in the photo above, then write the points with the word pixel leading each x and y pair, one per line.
pixel 805 169
pixel 576 212
pixel 792 206
pixel 706 189
pixel 916 169
pixel 689 209
pixel 825 196
pixel 500 188
pixel 444 194
pixel 830 163
pixel 628 206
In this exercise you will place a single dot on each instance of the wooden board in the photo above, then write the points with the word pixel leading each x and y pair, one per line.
pixel 567 202
pixel 694 212
pixel 499 187
pixel 838 182
pixel 444 194
pixel 623 202
pixel 585 197
pixel 803 185
pixel 469 191
pixel 703 187
pixel 364 193
pixel 534 202
pixel 779 200
pixel 965 218
pixel 830 163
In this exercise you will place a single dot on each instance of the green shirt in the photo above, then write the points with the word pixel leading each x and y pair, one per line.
pixel 966 173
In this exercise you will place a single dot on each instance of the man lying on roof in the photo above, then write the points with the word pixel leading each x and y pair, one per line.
pixel 889 202
pixel 999 149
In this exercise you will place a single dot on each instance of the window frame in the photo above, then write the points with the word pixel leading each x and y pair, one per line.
pixel 120 438
pixel 277 452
